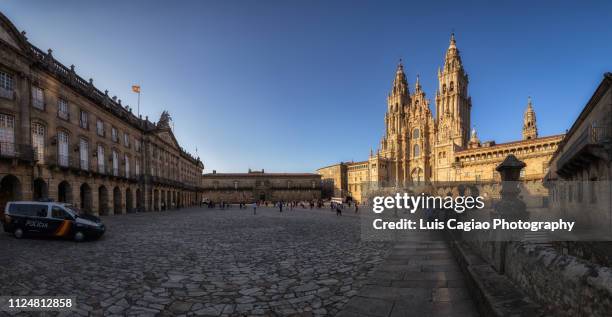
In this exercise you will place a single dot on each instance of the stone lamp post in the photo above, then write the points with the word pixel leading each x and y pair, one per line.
pixel 510 207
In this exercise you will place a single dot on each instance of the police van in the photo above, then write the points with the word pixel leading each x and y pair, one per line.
pixel 50 219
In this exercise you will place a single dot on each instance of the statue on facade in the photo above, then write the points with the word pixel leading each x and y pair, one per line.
pixel 164 120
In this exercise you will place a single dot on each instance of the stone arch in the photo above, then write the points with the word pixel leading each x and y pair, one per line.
pixel 117 200
pixel 10 190
pixel 40 190
pixel 129 200
pixel 86 198
pixel 156 200
pixel 139 199
pixel 64 192
pixel 417 175
pixel 103 200
pixel 163 204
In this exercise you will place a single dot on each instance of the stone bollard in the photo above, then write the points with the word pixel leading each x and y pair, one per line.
pixel 510 208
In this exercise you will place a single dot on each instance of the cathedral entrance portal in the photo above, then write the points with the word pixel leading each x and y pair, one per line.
pixel 417 175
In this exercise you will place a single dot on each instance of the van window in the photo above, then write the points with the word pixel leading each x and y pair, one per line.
pixel 59 213
pixel 28 210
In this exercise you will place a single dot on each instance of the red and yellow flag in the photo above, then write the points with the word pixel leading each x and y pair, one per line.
pixel 136 88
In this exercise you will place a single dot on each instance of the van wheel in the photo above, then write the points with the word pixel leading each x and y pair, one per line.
pixel 18 233
pixel 79 236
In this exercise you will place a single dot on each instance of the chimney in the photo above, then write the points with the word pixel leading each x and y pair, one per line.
pixel 214 171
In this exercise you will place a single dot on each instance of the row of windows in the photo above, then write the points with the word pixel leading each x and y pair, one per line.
pixel 545 147
pixel 63 148
pixel 7 145
pixel 7 86
pixel 63 112
pixel 215 184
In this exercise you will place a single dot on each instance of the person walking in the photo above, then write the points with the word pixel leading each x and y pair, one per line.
pixel 338 210
pixel 255 208
pixel 280 206
pixel 356 207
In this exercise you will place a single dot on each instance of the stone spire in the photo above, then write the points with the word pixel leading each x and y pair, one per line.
pixel 453 103
pixel 453 58
pixel 417 85
pixel 530 129
pixel 400 85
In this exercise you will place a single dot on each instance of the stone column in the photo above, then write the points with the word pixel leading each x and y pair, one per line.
pixel 95 199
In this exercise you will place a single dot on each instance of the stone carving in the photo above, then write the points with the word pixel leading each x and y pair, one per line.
pixel 164 120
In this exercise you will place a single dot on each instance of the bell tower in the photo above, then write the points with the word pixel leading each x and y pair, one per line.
pixel 453 104
pixel 393 144
pixel 530 129
pixel 453 114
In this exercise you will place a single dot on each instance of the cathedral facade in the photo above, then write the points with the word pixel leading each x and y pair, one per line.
pixel 424 146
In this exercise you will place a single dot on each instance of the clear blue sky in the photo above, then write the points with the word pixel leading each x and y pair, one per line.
pixel 296 85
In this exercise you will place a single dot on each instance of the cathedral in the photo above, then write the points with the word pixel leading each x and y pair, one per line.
pixel 423 146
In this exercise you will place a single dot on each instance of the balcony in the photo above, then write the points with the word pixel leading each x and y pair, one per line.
pixel 22 152
pixel 101 169
pixel 84 165
pixel 68 162
pixel 592 144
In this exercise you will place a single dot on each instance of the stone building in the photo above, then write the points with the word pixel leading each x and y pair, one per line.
pixel 422 146
pixel 64 139
pixel 580 172
pixel 260 186
pixel 335 181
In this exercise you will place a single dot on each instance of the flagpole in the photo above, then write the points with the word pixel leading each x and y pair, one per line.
pixel 138 102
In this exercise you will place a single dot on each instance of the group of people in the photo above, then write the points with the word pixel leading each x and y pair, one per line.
pixel 337 206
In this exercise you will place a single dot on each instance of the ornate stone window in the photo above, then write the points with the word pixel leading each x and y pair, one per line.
pixel 115 159
pixel 84 154
pixel 7 85
pixel 100 127
pixel 114 134
pixel 62 148
pixel 100 158
pixel 83 120
pixel 62 109
pixel 126 159
pixel 126 139
pixel 416 133
pixel 38 141
pixel 417 150
pixel 38 98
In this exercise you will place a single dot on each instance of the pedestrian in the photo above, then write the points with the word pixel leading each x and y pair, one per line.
pixel 356 207
pixel 338 210
pixel 255 208
pixel 280 206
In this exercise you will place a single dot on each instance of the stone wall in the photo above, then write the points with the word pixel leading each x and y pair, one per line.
pixel 577 287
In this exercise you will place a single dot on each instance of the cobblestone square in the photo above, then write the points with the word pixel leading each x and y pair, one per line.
pixel 201 261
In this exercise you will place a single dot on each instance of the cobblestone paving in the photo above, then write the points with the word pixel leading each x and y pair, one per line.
pixel 200 262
